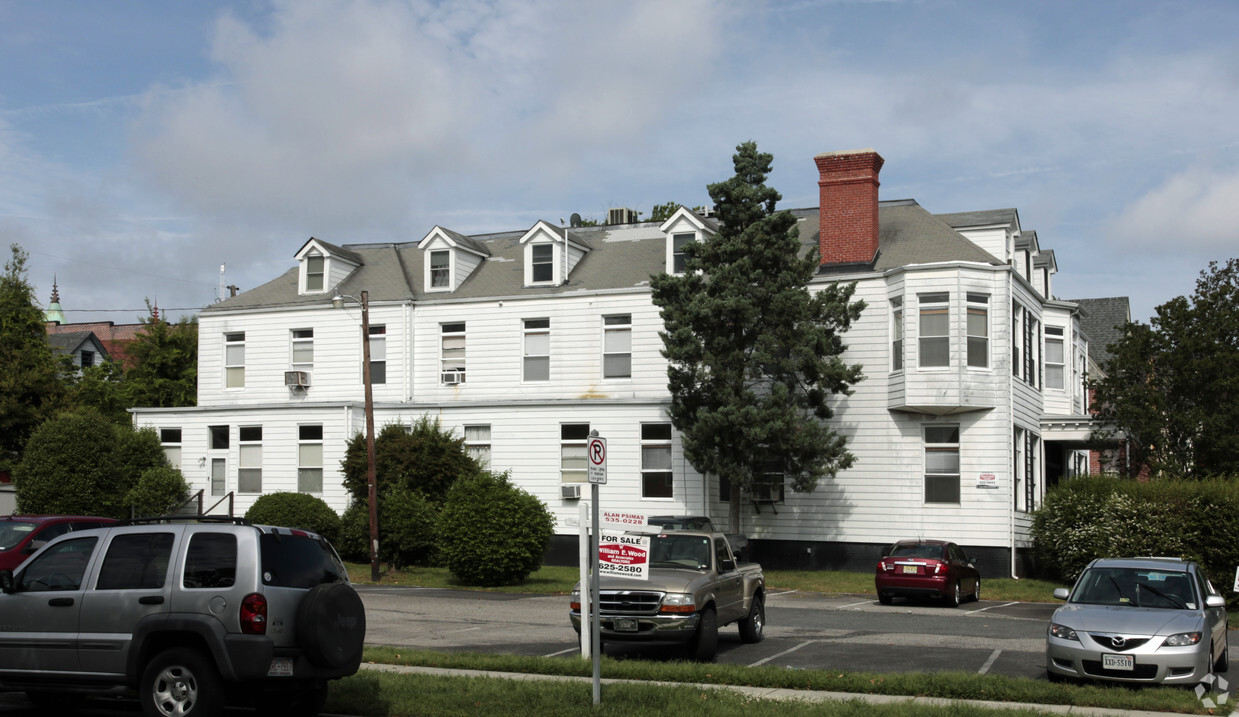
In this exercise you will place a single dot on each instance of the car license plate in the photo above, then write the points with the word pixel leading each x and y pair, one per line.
pixel 280 667
pixel 624 624
pixel 1118 662
pixel 909 569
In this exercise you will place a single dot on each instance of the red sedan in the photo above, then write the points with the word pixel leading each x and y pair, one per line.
pixel 927 569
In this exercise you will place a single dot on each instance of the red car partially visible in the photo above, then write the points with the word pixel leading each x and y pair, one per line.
pixel 927 569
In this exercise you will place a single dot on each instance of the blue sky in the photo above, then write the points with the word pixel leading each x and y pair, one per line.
pixel 143 144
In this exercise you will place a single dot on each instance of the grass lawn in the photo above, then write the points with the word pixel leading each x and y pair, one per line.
pixel 556 580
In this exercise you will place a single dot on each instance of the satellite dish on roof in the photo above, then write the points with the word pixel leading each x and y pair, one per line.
pixel 574 220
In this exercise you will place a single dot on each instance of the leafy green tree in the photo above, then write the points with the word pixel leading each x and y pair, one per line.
pixel 1172 386
pixel 492 533
pixel 420 457
pixel 31 381
pixel 663 212
pixel 102 387
pixel 159 491
pixel 165 364
pixel 296 510
pixel 754 356
pixel 80 462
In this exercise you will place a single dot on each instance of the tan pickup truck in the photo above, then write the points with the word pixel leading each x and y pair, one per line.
pixel 695 586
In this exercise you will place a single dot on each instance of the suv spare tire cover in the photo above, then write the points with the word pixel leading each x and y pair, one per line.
pixel 331 625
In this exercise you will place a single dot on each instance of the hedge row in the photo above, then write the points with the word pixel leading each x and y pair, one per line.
pixel 1104 516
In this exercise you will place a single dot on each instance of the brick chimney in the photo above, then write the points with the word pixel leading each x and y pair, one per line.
pixel 848 206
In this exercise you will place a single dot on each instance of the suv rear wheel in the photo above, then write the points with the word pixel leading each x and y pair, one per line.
pixel 181 682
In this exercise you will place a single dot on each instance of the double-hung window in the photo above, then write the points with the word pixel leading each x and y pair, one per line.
pixel 942 464
pixel 234 359
pixel 452 353
pixel 978 330
pixel 617 346
pixel 440 269
pixel 302 349
pixel 1055 357
pixel 678 259
pixel 656 460
pixel 314 272
pixel 897 333
pixel 310 458
pixel 542 258
pixel 935 328
pixel 378 354
pixel 249 472
pixel 170 440
pixel 477 442
pixel 573 443
pixel 537 350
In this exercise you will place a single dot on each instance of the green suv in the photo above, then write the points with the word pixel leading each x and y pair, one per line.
pixel 190 613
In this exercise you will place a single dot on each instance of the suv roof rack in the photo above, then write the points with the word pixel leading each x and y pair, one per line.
pixel 147 520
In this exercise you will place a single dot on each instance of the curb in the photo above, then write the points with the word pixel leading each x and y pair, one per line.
pixel 781 694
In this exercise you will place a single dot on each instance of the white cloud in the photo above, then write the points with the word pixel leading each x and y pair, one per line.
pixel 1193 210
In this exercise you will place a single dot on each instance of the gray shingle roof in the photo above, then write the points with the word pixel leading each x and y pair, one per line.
pixel 1103 320
pixel 619 257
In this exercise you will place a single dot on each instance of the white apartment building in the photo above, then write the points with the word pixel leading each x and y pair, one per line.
pixel 523 341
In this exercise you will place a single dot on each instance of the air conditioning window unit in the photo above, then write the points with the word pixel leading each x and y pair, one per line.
pixel 769 491
pixel 297 379
pixel 570 490
pixel 451 378
pixel 621 215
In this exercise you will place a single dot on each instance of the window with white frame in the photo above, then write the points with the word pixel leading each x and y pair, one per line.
pixel 234 359
pixel 452 353
pixel 378 354
pixel 617 346
pixel 1017 317
pixel 315 272
pixel 678 258
pixel 86 359
pixel 537 350
pixel 573 443
pixel 1055 358
pixel 897 333
pixel 656 460
pixel 768 487
pixel 477 442
pixel 942 464
pixel 310 458
pixel 1017 468
pixel 249 469
pixel 542 263
pixel 935 326
pixel 170 440
pixel 1032 335
pixel 302 349
pixel 978 330
pixel 440 269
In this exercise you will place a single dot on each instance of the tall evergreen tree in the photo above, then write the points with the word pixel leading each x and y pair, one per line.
pixel 754 356
pixel 165 369
pixel 1172 386
pixel 31 381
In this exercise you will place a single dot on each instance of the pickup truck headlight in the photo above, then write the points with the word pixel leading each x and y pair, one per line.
pixel 679 603
pixel 574 600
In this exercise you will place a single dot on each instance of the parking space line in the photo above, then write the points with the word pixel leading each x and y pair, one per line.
pixel 854 604
pixel 983 609
pixel 785 592
pixel 781 654
pixel 563 652
pixel 989 663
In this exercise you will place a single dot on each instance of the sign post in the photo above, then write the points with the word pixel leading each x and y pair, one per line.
pixel 596 452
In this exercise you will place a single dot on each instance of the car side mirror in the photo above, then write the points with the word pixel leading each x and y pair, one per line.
pixel 1062 593
pixel 726 566
pixel 7 584
pixel 1215 601
pixel 35 545
pixel 972 559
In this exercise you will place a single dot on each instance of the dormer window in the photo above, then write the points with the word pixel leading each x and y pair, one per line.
pixel 315 271
pixel 542 263
pixel 440 269
pixel 678 259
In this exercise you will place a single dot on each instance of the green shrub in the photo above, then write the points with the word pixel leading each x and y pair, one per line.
pixel 491 532
pixel 422 457
pixel 81 463
pixel 1103 516
pixel 296 510
pixel 406 529
pixel 159 491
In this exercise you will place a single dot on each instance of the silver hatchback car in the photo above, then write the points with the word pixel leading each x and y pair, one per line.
pixel 1138 620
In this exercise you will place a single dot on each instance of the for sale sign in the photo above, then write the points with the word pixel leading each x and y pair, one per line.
pixel 624 556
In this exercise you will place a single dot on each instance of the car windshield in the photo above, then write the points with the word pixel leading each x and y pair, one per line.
pixel 680 551
pixel 12 532
pixel 916 550
pixel 1136 587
